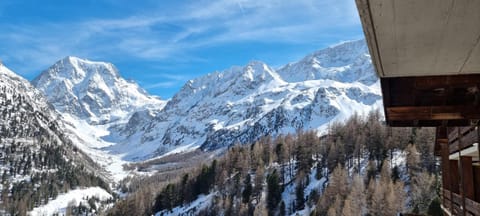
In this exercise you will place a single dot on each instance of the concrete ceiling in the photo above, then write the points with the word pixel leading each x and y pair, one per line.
pixel 422 37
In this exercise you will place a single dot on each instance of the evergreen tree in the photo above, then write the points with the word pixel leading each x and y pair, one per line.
pixel 247 191
pixel 274 191
pixel 283 210
pixel 299 193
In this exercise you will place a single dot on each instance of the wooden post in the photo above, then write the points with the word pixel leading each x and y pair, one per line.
pixel 467 178
pixel 460 168
pixel 454 184
pixel 447 183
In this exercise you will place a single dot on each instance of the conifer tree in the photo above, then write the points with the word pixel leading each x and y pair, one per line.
pixel 274 191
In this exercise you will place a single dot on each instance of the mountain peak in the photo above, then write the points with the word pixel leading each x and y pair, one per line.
pixel 259 71
pixel 6 71
pixel 345 62
pixel 78 61
pixel 91 90
pixel 75 66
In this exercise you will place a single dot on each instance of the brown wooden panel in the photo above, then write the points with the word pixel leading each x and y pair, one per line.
pixel 447 199
pixel 467 174
pixel 455 146
pixel 452 134
pixel 431 90
pixel 456 203
pixel 454 176
pixel 445 166
pixel 433 112
pixel 476 181
pixel 461 138
pixel 468 139
pixel 465 130
pixel 428 123
pixel 430 82
pixel 472 207
pixel 431 100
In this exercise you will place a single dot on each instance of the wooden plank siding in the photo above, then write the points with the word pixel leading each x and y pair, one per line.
pixel 460 178
pixel 462 137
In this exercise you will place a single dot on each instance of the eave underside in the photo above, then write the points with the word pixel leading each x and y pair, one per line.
pixel 432 101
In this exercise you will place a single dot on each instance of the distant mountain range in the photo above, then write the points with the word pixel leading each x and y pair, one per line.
pixel 238 105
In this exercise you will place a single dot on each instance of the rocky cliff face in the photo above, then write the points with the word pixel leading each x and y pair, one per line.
pixel 93 91
pixel 242 104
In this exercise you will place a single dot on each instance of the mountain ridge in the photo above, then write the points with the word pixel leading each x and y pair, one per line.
pixel 242 104
pixel 239 104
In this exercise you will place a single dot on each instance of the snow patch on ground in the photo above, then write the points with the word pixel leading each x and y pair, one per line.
pixel 289 196
pixel 77 196
pixel 87 137
pixel 202 202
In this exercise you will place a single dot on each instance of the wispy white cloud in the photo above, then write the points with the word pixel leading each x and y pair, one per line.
pixel 160 34
pixel 167 80
pixel 163 84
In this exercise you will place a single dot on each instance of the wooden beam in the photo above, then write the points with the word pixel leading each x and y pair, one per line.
pixel 431 90
pixel 428 123
pixel 433 112
pixel 432 82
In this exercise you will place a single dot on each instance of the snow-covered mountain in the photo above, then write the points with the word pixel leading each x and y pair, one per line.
pixel 347 62
pixel 94 101
pixel 38 158
pixel 242 104
pixel 93 91
pixel 238 105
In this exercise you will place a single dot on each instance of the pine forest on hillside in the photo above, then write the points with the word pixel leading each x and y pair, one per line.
pixel 361 167
pixel 37 161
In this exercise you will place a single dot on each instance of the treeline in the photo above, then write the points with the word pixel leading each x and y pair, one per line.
pixel 352 170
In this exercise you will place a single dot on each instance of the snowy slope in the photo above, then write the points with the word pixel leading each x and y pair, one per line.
pixel 95 100
pixel 92 91
pixel 238 105
pixel 241 104
pixel 74 198
pixel 347 62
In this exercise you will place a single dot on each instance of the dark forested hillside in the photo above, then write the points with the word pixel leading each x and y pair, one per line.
pixel 359 167
pixel 37 162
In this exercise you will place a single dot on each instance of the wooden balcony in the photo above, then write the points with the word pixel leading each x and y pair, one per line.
pixel 461 138
pixel 453 203
pixel 459 152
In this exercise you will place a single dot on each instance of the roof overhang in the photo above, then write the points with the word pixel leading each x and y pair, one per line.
pixel 422 38
pixel 427 54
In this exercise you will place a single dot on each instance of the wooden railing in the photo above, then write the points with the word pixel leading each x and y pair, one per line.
pixel 453 203
pixel 460 138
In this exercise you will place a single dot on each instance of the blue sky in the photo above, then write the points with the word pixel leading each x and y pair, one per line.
pixel 162 44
